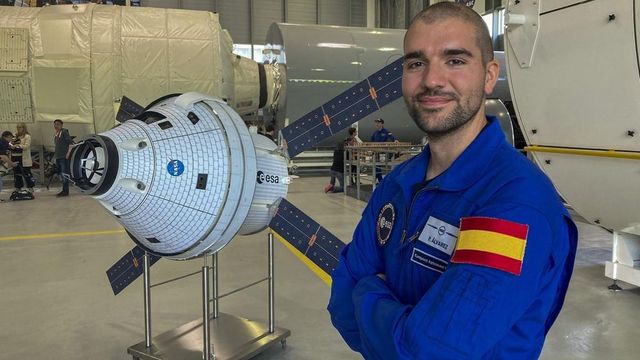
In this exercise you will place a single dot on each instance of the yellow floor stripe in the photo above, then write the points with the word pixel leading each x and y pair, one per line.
pixel 305 260
pixel 313 267
pixel 61 235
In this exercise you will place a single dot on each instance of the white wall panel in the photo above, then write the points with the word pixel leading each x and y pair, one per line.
pixel 358 13
pixel 399 12
pixel 265 12
pixel 301 11
pixel 170 4
pixel 206 5
pixel 234 17
pixel 415 6
pixel 384 14
pixel 334 12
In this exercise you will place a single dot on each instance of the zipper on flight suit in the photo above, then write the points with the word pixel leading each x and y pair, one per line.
pixel 406 222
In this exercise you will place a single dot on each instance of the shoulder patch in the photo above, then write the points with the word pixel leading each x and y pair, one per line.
pixel 491 242
pixel 385 222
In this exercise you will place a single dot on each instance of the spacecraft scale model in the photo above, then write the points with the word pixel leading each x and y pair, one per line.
pixel 188 162
pixel 184 177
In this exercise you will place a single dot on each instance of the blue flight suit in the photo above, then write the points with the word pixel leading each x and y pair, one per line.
pixel 382 135
pixel 430 308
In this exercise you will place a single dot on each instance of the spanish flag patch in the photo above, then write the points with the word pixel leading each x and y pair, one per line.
pixel 491 242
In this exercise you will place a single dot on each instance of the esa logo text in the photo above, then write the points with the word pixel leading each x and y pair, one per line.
pixel 266 178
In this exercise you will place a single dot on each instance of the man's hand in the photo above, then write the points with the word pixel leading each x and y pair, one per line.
pixel 68 154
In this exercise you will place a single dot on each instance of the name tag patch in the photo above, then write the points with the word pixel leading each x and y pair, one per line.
pixel 430 262
pixel 440 235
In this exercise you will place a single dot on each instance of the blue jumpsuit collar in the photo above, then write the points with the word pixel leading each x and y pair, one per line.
pixel 468 167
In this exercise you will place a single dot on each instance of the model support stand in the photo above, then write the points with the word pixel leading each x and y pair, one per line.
pixel 223 336
pixel 625 260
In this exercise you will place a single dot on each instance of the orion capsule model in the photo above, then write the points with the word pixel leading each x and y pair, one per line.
pixel 183 177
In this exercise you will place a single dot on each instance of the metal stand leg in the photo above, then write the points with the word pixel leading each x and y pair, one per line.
pixel 215 286
pixel 625 259
pixel 206 333
pixel 373 171
pixel 272 325
pixel 233 337
pixel 147 300
pixel 614 287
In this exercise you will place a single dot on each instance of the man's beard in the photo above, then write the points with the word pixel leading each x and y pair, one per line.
pixel 461 114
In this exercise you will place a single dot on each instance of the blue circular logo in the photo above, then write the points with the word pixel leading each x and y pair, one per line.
pixel 384 225
pixel 175 167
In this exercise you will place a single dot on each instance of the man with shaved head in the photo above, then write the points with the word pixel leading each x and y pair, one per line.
pixel 464 251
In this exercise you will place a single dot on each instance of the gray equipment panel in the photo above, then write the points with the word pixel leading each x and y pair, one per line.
pixel 15 104
pixel 14 47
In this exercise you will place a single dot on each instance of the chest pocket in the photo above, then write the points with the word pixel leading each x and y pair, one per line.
pixel 422 262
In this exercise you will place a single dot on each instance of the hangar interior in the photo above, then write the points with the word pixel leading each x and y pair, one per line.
pixel 56 302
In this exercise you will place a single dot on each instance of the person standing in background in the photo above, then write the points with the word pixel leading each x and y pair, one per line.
pixel 21 155
pixel 337 169
pixel 63 143
pixel 4 157
pixel 353 140
pixel 381 135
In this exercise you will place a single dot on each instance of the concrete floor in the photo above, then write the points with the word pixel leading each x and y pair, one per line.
pixel 56 303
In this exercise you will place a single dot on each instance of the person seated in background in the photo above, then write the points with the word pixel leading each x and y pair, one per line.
pixel 337 169
pixel 5 147
pixel 21 155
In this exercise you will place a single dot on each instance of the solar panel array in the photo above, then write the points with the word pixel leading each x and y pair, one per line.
pixel 369 95
pixel 129 109
pixel 307 236
pixel 128 269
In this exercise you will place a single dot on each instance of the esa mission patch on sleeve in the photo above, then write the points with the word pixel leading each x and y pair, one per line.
pixel 491 242
pixel 384 225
